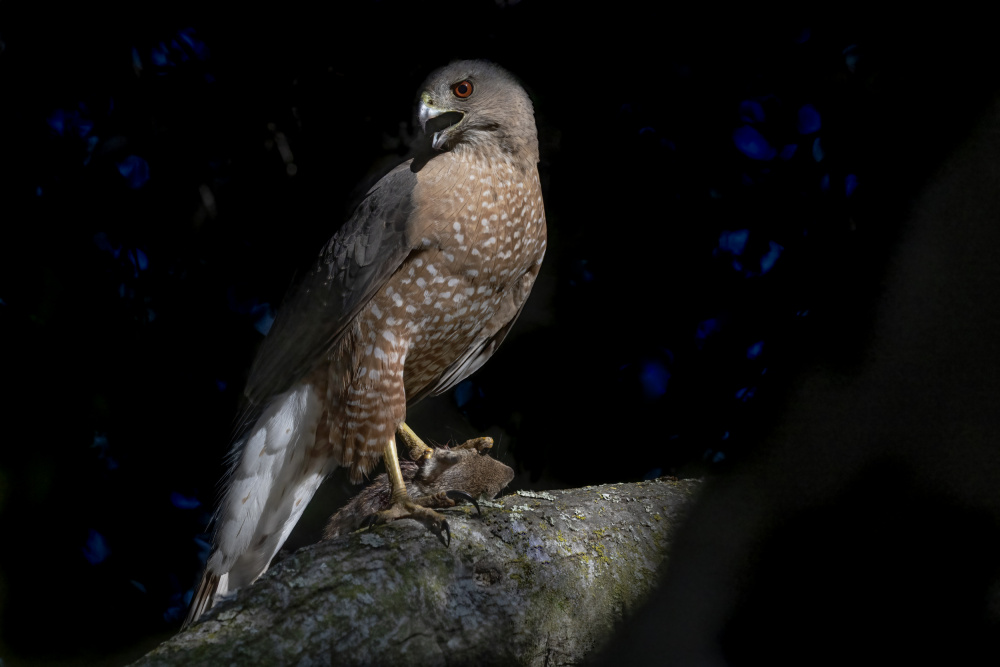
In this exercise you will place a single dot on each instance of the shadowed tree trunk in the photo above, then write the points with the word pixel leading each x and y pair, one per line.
pixel 541 578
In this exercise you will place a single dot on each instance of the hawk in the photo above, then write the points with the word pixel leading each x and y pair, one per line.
pixel 414 293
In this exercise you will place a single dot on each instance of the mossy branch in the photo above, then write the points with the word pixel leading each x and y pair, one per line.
pixel 541 578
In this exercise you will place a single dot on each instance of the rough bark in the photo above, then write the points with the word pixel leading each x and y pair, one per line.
pixel 542 578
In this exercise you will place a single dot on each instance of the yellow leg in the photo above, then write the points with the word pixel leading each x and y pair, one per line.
pixel 402 506
pixel 395 474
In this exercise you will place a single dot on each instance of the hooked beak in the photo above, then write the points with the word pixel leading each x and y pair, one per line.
pixel 427 111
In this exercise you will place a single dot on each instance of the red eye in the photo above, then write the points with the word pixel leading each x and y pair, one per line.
pixel 462 89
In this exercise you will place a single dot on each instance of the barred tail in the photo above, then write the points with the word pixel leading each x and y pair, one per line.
pixel 277 472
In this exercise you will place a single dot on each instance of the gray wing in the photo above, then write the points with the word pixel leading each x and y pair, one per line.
pixel 351 268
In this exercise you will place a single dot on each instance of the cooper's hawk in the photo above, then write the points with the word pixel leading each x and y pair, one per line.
pixel 410 296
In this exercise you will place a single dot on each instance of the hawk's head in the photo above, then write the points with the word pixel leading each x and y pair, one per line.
pixel 477 104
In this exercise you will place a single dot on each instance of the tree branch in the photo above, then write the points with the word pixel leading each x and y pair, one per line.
pixel 541 578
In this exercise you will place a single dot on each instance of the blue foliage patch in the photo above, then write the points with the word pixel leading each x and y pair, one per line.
pixel 465 392
pixel 103 447
pixel 818 153
pixel 850 184
pixel 751 111
pixel 179 603
pixel 135 170
pixel 851 57
pixel 788 151
pixel 263 315
pixel 768 259
pixel 734 242
pixel 96 549
pixel 706 328
pixel 654 377
pixel 809 119
pixel 76 127
pixel 69 123
pixel 180 501
pixel 184 47
pixel 752 143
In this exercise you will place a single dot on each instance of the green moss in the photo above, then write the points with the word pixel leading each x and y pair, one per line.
pixel 351 591
pixel 523 570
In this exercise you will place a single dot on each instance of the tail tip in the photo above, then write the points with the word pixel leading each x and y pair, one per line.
pixel 202 600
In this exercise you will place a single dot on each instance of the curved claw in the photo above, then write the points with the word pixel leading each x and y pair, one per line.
pixel 462 495
pixel 445 530
pixel 369 522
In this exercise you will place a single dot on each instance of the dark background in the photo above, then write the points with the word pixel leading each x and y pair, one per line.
pixel 730 199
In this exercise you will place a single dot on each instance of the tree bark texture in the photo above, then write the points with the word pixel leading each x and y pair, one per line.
pixel 542 578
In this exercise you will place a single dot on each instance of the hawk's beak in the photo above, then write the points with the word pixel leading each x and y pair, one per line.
pixel 427 111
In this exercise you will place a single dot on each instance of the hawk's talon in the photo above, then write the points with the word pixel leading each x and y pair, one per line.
pixel 409 509
pixel 455 494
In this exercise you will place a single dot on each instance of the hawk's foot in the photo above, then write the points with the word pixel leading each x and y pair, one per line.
pixel 418 509
pixel 408 509
pixel 478 444
pixel 447 499
pixel 418 451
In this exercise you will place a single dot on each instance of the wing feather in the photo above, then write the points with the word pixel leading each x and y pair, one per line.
pixel 351 268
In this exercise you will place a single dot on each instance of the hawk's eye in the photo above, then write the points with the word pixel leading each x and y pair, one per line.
pixel 462 89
